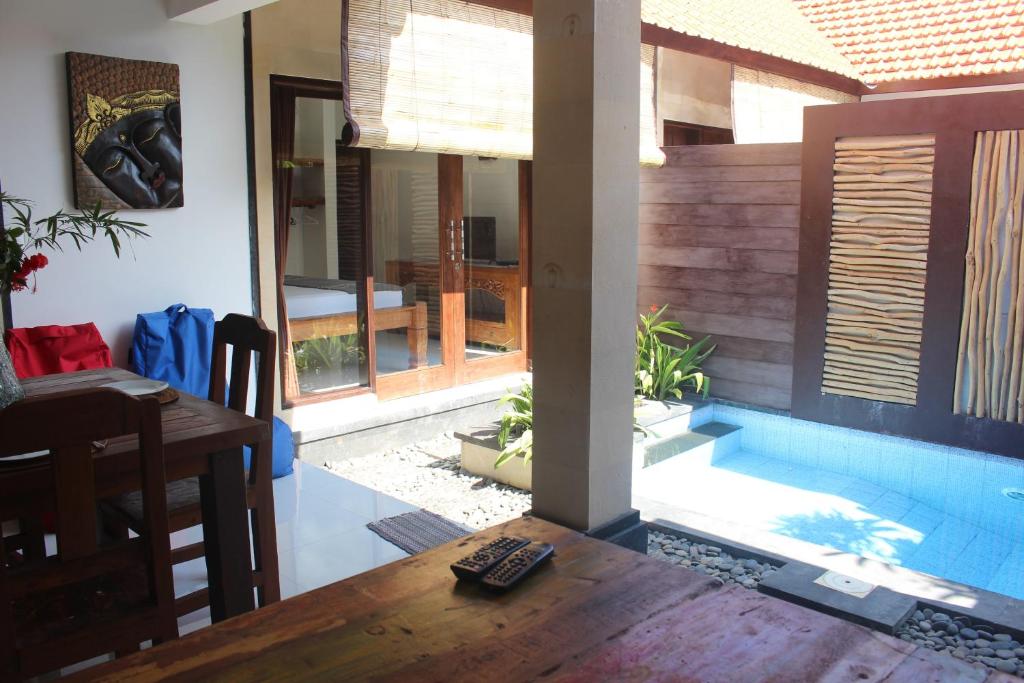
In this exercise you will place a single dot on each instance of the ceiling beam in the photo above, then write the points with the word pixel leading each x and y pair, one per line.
pixel 673 40
pixel 945 83
pixel 664 37
pixel 209 11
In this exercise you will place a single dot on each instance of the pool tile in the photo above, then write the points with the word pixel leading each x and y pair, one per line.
pixel 891 505
pixel 922 518
pixel 862 492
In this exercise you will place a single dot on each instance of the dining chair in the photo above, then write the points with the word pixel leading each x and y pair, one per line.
pixel 95 595
pixel 246 336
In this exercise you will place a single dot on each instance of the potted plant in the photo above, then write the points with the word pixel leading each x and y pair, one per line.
pixel 22 241
pixel 503 451
pixel 663 373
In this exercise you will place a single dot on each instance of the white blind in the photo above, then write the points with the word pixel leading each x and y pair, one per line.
pixel 453 77
pixel 770 108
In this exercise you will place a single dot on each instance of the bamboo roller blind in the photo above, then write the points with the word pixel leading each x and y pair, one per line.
pixel 453 77
pixel 877 261
pixel 988 378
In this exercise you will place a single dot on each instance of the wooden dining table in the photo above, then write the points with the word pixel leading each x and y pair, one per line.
pixel 201 439
pixel 596 612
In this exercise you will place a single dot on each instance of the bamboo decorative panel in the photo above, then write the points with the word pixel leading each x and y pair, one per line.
pixel 988 377
pixel 881 215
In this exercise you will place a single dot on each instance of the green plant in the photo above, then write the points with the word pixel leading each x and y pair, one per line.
pixel 327 353
pixel 24 233
pixel 515 433
pixel 664 369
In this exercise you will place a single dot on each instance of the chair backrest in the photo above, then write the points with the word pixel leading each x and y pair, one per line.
pixel 246 335
pixel 66 425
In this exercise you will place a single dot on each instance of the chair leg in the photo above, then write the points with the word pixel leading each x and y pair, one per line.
pixel 126 650
pixel 264 541
pixel 115 528
pixel 33 533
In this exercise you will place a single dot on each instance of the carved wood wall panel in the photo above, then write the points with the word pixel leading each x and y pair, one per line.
pixel 878 254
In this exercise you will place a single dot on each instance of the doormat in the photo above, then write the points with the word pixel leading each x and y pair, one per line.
pixel 417 531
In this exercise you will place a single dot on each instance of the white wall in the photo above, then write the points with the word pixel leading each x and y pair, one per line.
pixel 693 89
pixel 198 254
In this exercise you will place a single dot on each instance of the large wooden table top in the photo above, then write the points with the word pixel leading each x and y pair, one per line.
pixel 595 613
pixel 192 428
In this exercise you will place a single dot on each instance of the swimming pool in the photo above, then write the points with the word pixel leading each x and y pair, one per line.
pixel 945 511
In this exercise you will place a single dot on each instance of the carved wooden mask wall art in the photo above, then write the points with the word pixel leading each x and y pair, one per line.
pixel 126 132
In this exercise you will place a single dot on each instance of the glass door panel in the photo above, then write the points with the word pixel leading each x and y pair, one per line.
pixel 407 299
pixel 325 281
pixel 490 240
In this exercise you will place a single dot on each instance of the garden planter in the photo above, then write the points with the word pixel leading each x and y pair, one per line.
pixel 479 451
pixel 661 421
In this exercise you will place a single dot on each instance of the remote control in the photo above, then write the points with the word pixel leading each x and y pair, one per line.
pixel 479 563
pixel 518 566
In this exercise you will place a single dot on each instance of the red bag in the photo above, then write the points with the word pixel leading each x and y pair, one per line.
pixel 50 349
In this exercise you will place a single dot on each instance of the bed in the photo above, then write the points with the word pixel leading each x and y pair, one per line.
pixel 320 307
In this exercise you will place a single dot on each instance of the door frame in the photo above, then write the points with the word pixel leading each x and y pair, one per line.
pixel 454 369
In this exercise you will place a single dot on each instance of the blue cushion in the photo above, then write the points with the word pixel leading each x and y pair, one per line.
pixel 284 450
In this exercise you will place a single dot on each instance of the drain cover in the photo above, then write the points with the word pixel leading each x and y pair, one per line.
pixel 1014 494
pixel 845 584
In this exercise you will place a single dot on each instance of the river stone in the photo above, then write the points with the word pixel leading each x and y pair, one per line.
pixel 918 615
pixel 982 642
pixel 939 616
pixel 984 651
pixel 1006 666
pixel 1002 637
pixel 1004 654
pixel 982 633
pixel 752 564
pixel 1019 651
pixel 1003 644
pixel 968 633
pixel 925 626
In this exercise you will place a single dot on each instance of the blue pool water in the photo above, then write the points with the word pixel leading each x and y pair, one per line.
pixel 930 508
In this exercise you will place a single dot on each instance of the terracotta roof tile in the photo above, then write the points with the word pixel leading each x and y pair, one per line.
pixel 888 40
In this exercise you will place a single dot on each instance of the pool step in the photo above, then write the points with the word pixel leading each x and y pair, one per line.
pixel 701 445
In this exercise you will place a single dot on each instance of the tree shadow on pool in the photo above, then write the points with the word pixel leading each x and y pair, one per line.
pixel 877 542
pixel 867 536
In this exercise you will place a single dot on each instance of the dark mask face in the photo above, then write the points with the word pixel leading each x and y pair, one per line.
pixel 139 158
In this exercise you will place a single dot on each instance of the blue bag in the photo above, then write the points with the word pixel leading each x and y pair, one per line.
pixel 175 346
pixel 283 457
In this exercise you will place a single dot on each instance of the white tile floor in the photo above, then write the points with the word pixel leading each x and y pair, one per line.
pixel 321 535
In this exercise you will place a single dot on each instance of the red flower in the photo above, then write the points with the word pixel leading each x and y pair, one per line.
pixel 29 265
pixel 654 308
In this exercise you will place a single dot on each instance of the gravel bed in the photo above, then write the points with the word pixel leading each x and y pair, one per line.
pixel 427 474
pixel 964 639
pixel 707 559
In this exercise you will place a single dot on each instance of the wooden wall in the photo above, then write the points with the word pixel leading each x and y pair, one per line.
pixel 719 233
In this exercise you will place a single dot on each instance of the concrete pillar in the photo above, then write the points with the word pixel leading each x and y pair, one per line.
pixel 585 213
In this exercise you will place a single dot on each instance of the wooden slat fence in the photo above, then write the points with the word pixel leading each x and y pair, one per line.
pixel 719 233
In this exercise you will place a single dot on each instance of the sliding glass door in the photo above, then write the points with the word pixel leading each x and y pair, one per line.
pixel 398 272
